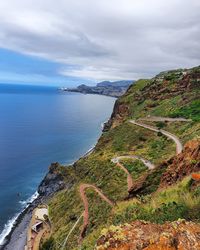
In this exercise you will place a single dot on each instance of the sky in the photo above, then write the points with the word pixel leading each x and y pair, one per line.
pixel 68 42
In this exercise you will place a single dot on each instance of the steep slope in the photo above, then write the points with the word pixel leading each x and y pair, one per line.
pixel 165 95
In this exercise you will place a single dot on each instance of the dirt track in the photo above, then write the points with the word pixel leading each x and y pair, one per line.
pixel 82 189
pixel 134 157
pixel 116 160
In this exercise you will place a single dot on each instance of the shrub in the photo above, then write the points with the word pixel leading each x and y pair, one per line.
pixel 191 111
pixel 160 125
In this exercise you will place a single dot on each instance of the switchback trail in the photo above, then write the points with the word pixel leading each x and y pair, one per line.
pixel 134 157
pixel 116 160
pixel 82 189
pixel 179 146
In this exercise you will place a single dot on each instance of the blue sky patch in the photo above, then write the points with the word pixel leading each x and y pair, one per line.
pixel 18 68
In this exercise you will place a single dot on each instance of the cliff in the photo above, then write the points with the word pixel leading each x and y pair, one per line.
pixel 54 181
pixel 150 191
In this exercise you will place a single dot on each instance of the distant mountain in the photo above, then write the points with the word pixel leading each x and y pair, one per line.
pixel 108 88
pixel 123 83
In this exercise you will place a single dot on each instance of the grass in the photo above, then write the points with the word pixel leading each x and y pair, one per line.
pixel 152 181
pixel 170 204
pixel 191 111
pixel 135 167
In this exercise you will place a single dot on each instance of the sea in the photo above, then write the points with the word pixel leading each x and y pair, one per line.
pixel 40 125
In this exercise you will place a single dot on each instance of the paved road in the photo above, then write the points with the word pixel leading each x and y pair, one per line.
pixel 179 146
pixel 82 189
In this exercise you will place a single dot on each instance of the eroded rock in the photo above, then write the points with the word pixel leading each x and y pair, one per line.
pixel 138 235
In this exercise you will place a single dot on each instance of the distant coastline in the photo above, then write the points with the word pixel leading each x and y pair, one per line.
pixel 107 88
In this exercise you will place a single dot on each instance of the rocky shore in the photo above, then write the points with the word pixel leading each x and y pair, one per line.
pixel 52 183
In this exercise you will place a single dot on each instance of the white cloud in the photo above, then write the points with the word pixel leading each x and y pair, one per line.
pixel 115 39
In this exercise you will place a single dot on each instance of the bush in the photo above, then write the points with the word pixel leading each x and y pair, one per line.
pixel 135 167
pixel 160 125
pixel 191 111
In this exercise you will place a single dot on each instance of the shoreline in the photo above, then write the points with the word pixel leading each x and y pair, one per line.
pixel 16 238
pixel 11 241
pixel 11 222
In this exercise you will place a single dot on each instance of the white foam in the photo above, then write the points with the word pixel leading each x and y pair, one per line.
pixel 29 200
pixel 89 151
pixel 103 124
pixel 9 225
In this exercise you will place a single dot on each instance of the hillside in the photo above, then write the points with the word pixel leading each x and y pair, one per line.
pixel 107 88
pixel 148 191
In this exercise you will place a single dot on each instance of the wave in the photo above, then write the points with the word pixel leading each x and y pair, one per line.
pixel 89 151
pixel 29 200
pixel 103 124
pixel 11 223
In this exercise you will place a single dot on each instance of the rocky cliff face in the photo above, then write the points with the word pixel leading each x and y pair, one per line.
pixel 182 165
pixel 53 181
pixel 119 114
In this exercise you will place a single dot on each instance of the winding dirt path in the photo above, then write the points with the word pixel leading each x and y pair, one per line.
pixel 179 146
pixel 82 189
pixel 134 157
pixel 116 160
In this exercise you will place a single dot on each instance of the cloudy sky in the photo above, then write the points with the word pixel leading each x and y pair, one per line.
pixel 66 42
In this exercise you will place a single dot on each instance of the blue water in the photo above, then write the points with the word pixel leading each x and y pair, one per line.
pixel 40 125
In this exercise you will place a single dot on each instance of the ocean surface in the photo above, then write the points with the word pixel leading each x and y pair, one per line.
pixel 40 125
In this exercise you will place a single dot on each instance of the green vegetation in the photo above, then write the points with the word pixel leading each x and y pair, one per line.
pixel 152 181
pixel 191 111
pixel 135 167
pixel 163 95
pixel 160 125
pixel 171 204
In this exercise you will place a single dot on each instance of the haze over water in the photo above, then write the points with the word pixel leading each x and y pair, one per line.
pixel 39 126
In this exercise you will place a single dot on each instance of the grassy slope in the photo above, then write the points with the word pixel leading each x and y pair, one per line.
pixel 66 206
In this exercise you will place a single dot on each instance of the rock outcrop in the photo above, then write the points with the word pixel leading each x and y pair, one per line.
pixel 119 114
pixel 161 89
pixel 180 235
pixel 183 164
pixel 53 181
